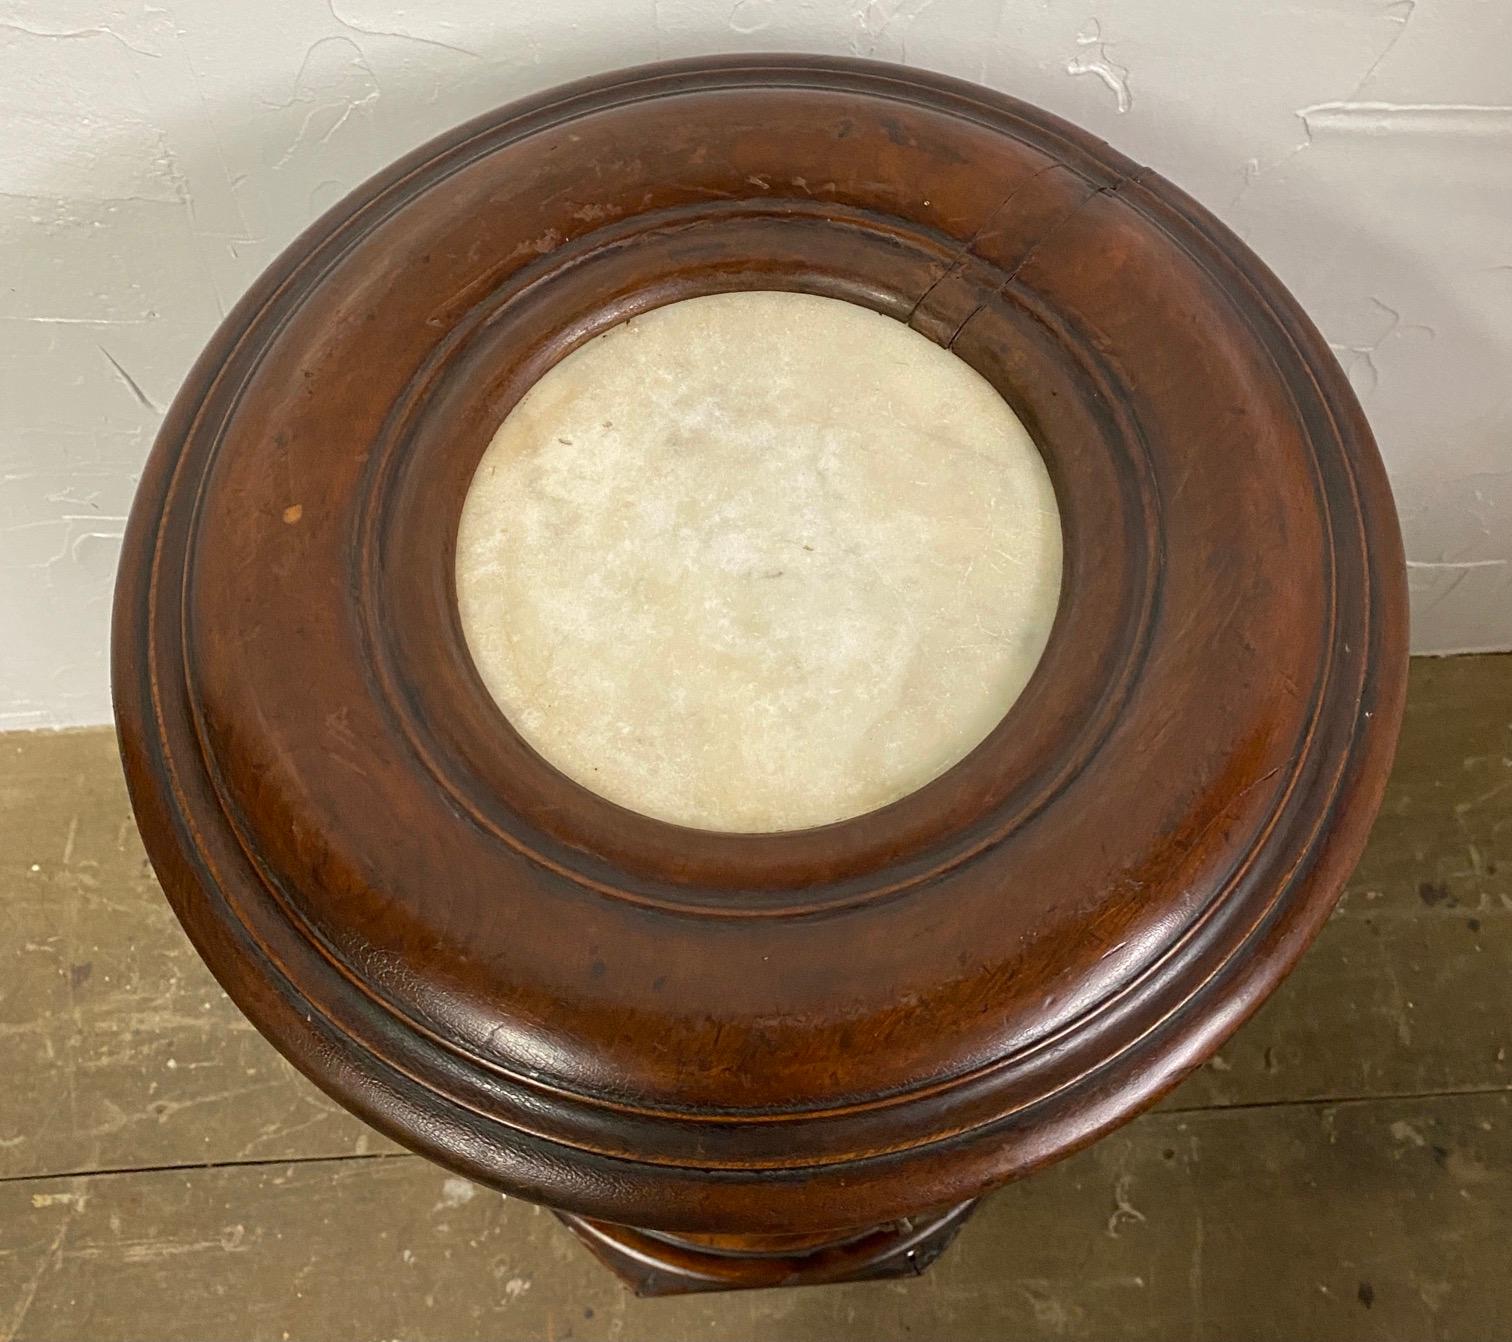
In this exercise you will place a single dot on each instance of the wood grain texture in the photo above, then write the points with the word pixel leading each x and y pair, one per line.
pixel 759 1034
pixel 1036 1262
pixel 106 990
pixel 120 1048
pixel 1371 1221
pixel 1406 990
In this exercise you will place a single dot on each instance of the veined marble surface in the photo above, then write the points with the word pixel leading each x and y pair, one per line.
pixel 758 562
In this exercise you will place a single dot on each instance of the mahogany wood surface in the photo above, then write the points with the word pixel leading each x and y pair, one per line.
pixel 759 1035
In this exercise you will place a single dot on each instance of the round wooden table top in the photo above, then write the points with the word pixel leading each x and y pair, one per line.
pixel 777 1033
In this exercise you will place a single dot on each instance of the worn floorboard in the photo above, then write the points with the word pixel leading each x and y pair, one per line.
pixel 132 1056
pixel 1379 1219
pixel 1341 1170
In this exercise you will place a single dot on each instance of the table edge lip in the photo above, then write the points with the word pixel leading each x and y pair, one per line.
pixel 975 1160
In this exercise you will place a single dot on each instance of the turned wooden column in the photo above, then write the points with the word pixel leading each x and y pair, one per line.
pixel 753 1059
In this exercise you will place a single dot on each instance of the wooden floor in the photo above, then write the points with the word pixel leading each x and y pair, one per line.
pixel 1343 1170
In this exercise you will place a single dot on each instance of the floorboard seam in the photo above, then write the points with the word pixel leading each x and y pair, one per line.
pixel 1333 1101
pixel 1324 1102
pixel 195 1166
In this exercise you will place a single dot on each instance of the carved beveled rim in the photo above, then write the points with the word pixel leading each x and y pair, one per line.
pixel 734 875
pixel 967 1132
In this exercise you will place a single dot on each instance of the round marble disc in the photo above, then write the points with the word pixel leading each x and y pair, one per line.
pixel 758 562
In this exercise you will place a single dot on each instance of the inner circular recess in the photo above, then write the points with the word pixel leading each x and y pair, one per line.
pixel 758 561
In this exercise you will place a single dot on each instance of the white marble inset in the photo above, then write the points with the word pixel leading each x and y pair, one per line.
pixel 758 562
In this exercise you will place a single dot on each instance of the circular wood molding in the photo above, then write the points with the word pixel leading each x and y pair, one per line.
pixel 763 1034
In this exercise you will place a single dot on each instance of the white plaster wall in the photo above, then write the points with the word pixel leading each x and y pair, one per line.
pixel 153 157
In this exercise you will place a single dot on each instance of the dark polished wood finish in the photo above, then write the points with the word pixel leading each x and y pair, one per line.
pixel 655 1263
pixel 768 1052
